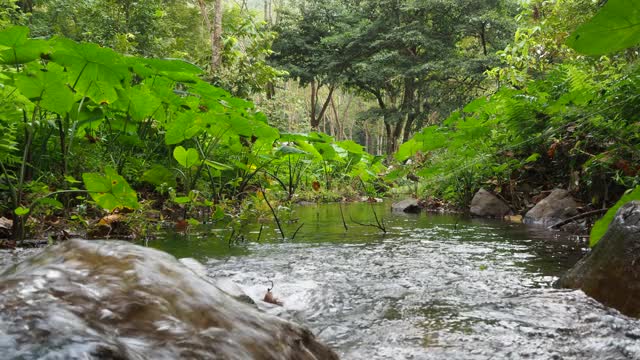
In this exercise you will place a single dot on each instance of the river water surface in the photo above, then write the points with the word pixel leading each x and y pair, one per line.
pixel 432 287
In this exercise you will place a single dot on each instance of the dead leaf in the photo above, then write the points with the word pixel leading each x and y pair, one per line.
pixel 110 219
pixel 269 298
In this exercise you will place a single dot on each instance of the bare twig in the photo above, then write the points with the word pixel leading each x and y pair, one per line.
pixel 260 233
pixel 344 223
pixel 298 229
pixel 379 222
pixel 275 216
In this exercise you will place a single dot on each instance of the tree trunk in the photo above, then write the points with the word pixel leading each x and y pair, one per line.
pixel 316 117
pixel 407 127
pixel 367 142
pixel 338 131
pixel 483 38
pixel 215 31
pixel 216 36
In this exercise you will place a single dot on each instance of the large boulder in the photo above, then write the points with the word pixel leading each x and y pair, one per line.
pixel 485 204
pixel 610 273
pixel 115 300
pixel 557 206
pixel 407 206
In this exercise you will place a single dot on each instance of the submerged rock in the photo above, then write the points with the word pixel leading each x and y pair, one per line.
pixel 557 206
pixel 611 272
pixel 114 300
pixel 485 204
pixel 407 205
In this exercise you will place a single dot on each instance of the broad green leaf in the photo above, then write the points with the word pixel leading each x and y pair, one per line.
pixel 50 202
pixel 326 150
pixel 138 102
pixel 600 227
pixel 21 211
pixel 110 190
pixel 408 149
pixel 290 150
pixel 186 158
pixel 615 27
pixel 159 175
pixel 186 126
pixel 17 48
pixel 351 146
pixel 217 165
pixel 46 87
pixel 94 72
pixel 182 200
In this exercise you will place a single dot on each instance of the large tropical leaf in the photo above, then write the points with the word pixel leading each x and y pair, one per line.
pixel 94 72
pixel 47 87
pixel 600 227
pixel 615 27
pixel 110 190
pixel 17 48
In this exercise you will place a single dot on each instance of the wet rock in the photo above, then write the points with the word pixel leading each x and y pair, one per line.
pixel 485 204
pixel 5 227
pixel 407 206
pixel 558 206
pixel 611 272
pixel 115 300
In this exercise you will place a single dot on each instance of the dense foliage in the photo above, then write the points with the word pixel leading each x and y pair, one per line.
pixel 558 119
pixel 453 95
pixel 69 108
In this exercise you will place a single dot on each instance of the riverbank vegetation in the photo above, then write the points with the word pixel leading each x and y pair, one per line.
pixel 188 112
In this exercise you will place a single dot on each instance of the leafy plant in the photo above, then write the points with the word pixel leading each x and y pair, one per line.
pixel 600 227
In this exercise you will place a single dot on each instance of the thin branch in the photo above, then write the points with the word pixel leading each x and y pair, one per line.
pixel 344 223
pixel 296 232
pixel 260 232
pixel 275 216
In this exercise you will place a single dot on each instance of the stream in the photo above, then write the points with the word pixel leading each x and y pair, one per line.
pixel 432 287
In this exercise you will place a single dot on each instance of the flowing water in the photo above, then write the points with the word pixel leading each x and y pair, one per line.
pixel 432 287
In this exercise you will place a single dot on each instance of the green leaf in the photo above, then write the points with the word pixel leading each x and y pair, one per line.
pixel 159 175
pixel 17 48
pixel 186 158
pixel 47 87
pixel 601 226
pixel 217 165
pixel 615 27
pixel 532 158
pixel 21 211
pixel 186 126
pixel 110 190
pixel 138 101
pixel 290 150
pixel 182 200
pixel 94 72
pixel 352 147
pixel 50 202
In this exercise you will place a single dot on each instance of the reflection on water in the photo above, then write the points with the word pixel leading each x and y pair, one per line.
pixel 433 287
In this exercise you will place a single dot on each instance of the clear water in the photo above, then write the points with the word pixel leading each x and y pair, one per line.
pixel 433 287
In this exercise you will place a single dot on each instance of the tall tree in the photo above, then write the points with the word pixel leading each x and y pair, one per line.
pixel 300 50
